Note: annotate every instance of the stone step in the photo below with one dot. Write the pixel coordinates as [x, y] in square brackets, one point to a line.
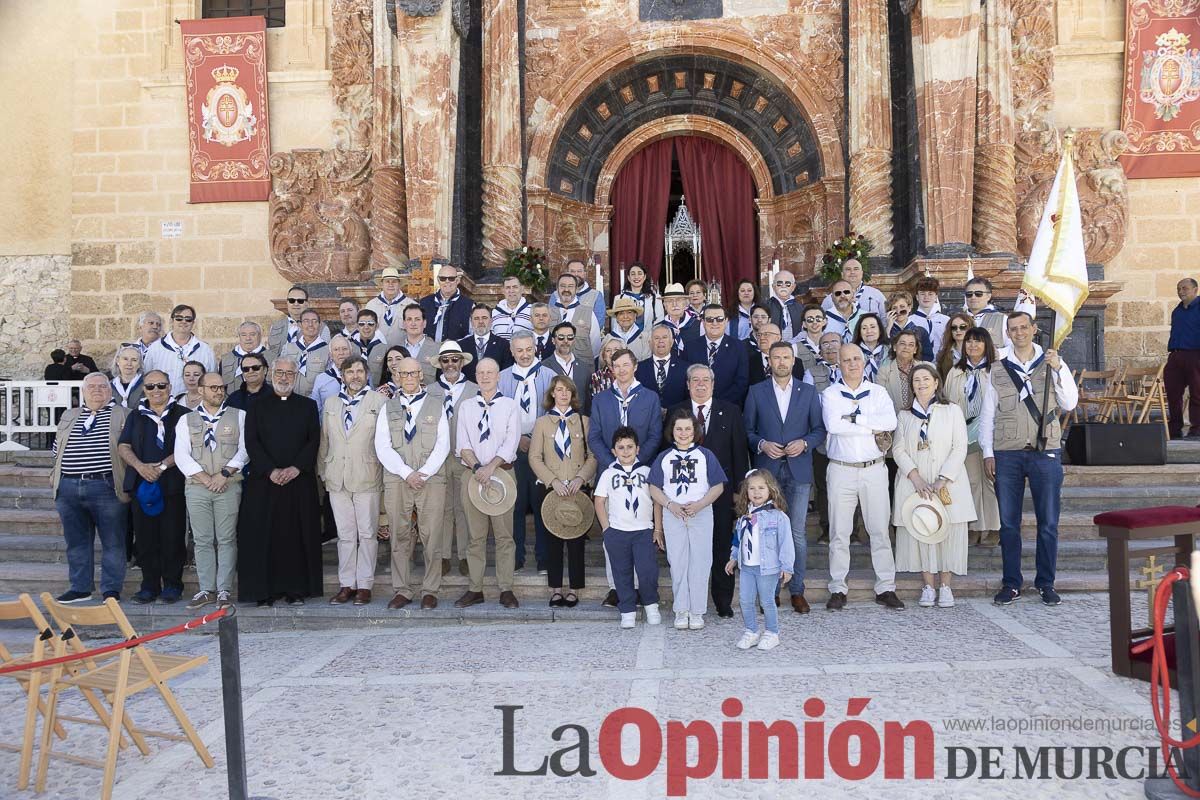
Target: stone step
[531, 587]
[26, 497]
[14, 475]
[1183, 451]
[1163, 475]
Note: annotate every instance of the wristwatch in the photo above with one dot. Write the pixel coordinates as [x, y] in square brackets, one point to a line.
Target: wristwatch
[160, 466]
[475, 467]
[226, 473]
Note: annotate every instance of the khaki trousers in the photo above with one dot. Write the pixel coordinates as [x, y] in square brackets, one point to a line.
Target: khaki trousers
[983, 492]
[850, 488]
[454, 516]
[502, 528]
[356, 515]
[399, 500]
[214, 530]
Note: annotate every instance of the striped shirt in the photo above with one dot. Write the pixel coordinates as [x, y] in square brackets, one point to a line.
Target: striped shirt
[87, 451]
[506, 322]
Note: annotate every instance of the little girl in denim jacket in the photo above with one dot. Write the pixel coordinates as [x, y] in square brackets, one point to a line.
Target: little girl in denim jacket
[763, 550]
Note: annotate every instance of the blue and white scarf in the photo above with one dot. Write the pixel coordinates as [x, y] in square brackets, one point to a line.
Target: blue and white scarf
[922, 415]
[210, 425]
[629, 481]
[873, 358]
[448, 398]
[88, 420]
[562, 436]
[683, 469]
[305, 350]
[184, 352]
[160, 420]
[443, 304]
[856, 397]
[525, 385]
[746, 523]
[624, 402]
[389, 318]
[348, 405]
[410, 414]
[485, 423]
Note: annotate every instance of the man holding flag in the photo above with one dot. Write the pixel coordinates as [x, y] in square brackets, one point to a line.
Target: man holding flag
[1020, 435]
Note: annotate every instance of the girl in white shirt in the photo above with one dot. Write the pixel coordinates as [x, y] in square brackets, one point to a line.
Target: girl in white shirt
[763, 549]
[685, 481]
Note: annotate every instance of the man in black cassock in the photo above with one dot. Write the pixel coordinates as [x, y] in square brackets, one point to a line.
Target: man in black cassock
[279, 527]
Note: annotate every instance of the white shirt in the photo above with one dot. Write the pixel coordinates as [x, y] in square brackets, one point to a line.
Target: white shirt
[183, 448]
[686, 475]
[393, 462]
[505, 425]
[783, 396]
[612, 485]
[934, 323]
[1065, 391]
[567, 366]
[854, 442]
[164, 355]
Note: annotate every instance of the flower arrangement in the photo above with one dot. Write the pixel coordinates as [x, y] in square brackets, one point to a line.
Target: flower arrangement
[528, 264]
[850, 246]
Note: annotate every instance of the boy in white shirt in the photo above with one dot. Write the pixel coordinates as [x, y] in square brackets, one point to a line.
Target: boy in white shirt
[626, 513]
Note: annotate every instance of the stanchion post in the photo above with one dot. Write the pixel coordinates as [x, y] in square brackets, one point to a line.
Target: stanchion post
[1187, 670]
[231, 698]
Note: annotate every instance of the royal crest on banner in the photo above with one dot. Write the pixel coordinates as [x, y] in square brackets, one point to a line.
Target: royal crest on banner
[225, 72]
[1160, 110]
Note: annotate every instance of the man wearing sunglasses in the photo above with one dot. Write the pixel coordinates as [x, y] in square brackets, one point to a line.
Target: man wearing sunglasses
[569, 308]
[979, 305]
[564, 362]
[724, 355]
[249, 343]
[287, 330]
[841, 313]
[369, 341]
[448, 310]
[178, 347]
[254, 382]
[786, 312]
[389, 304]
[867, 298]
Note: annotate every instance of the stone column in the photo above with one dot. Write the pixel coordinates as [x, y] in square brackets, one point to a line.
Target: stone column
[945, 35]
[501, 131]
[995, 223]
[870, 124]
[427, 63]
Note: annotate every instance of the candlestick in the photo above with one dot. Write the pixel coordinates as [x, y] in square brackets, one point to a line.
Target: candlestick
[621, 286]
[597, 283]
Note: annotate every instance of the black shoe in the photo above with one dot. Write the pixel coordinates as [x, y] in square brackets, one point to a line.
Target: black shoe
[890, 600]
[1006, 596]
[571, 600]
[610, 599]
[143, 597]
[725, 612]
[557, 601]
[114, 595]
[265, 603]
[1049, 596]
[836, 601]
[73, 597]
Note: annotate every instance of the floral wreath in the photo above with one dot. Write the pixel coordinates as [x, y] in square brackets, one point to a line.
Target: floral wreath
[838, 253]
[528, 265]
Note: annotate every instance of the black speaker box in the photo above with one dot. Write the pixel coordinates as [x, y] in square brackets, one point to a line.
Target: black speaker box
[1116, 444]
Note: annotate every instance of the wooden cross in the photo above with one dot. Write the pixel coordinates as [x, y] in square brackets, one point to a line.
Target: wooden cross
[1153, 572]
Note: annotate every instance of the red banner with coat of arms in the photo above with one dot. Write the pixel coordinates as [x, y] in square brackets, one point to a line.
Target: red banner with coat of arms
[1160, 111]
[229, 140]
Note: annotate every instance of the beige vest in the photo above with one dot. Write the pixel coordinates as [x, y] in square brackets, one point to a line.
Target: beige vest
[228, 439]
[416, 452]
[1015, 426]
[583, 318]
[346, 459]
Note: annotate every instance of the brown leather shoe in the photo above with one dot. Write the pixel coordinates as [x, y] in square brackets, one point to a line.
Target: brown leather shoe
[428, 601]
[508, 600]
[463, 568]
[344, 595]
[468, 599]
[445, 566]
[362, 597]
[799, 604]
[399, 601]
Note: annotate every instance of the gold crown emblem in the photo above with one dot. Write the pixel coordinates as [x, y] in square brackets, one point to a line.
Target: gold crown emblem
[1173, 40]
[225, 74]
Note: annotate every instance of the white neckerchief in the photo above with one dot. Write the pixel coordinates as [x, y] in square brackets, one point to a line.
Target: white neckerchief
[210, 424]
[182, 350]
[388, 305]
[125, 391]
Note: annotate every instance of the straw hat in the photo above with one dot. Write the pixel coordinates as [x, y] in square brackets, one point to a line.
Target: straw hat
[568, 517]
[926, 520]
[450, 347]
[625, 304]
[390, 272]
[496, 497]
[674, 290]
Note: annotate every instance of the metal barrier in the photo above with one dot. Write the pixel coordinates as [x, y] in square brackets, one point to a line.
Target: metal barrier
[30, 411]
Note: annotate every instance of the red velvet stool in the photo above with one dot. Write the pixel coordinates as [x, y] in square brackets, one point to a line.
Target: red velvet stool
[1121, 528]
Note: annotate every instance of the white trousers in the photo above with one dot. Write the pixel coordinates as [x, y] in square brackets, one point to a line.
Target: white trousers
[850, 488]
[690, 554]
[356, 515]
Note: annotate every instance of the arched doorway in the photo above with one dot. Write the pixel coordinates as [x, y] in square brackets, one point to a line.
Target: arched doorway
[719, 192]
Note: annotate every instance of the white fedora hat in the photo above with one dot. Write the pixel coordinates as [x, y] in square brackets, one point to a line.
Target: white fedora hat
[926, 520]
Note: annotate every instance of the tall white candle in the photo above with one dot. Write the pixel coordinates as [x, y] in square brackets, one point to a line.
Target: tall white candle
[621, 287]
[597, 283]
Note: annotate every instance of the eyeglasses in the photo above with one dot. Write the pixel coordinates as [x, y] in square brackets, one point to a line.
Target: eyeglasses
[297, 300]
[449, 360]
[785, 283]
[814, 319]
[184, 319]
[714, 319]
[252, 368]
[958, 327]
[842, 293]
[155, 387]
[220, 387]
[976, 293]
[285, 374]
[409, 373]
[565, 337]
[447, 278]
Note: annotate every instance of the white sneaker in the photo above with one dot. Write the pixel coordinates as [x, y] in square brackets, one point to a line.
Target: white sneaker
[748, 640]
[928, 597]
[945, 598]
[223, 599]
[695, 621]
[769, 641]
[628, 619]
[653, 617]
[681, 620]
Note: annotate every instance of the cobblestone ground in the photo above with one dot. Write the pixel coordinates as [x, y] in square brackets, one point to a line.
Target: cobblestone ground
[411, 711]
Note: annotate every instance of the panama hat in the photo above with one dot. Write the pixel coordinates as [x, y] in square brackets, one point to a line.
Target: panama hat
[568, 517]
[674, 290]
[450, 347]
[625, 304]
[390, 272]
[926, 520]
[497, 496]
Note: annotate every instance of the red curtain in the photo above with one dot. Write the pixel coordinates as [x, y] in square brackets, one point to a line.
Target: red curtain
[720, 196]
[640, 196]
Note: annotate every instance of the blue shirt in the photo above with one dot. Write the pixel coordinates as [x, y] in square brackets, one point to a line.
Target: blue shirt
[1185, 327]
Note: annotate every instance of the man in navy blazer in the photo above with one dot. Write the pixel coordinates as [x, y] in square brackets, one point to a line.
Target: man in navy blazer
[663, 371]
[724, 354]
[643, 413]
[784, 426]
[454, 321]
[494, 347]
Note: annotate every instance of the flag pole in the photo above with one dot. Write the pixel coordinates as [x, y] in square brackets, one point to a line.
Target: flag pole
[1068, 143]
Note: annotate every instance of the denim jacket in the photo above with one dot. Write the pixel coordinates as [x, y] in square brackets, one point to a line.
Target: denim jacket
[777, 553]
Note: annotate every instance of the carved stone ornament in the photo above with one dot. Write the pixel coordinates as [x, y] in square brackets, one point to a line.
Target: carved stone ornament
[460, 12]
[320, 201]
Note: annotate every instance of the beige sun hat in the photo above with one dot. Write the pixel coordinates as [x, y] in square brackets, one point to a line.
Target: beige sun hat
[568, 517]
[926, 520]
[497, 496]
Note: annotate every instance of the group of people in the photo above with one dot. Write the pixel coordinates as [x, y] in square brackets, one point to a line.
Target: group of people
[699, 430]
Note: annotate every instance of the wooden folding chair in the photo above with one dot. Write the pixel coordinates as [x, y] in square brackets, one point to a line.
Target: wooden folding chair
[1143, 392]
[31, 681]
[132, 671]
[1096, 389]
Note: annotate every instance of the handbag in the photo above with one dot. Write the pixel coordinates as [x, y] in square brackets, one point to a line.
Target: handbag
[944, 495]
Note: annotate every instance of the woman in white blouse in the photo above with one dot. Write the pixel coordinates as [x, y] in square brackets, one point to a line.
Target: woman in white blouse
[930, 448]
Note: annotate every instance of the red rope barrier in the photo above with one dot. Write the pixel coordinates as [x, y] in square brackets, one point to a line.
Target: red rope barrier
[112, 648]
[1160, 680]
